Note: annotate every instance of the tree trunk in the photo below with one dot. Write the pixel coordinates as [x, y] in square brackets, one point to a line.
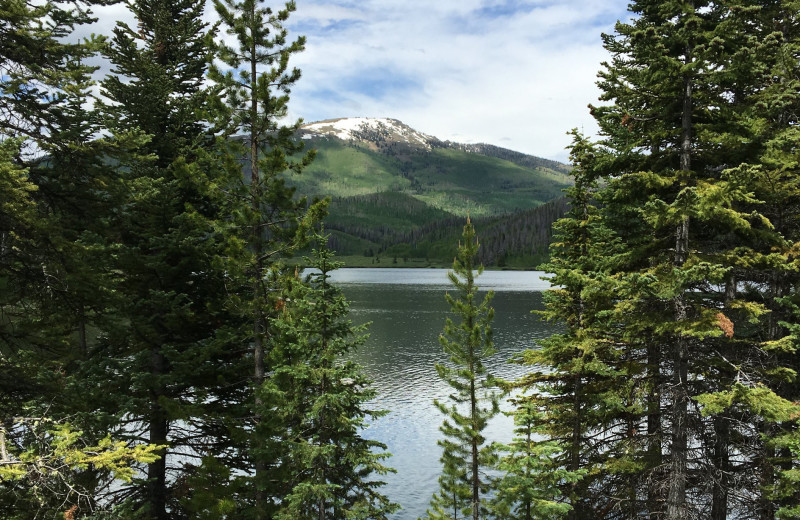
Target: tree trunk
[676, 499]
[529, 445]
[576, 445]
[259, 325]
[655, 495]
[719, 495]
[575, 450]
[157, 470]
[721, 460]
[476, 507]
[765, 506]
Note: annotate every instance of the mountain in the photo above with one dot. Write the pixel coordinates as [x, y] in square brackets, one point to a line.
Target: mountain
[401, 193]
[370, 131]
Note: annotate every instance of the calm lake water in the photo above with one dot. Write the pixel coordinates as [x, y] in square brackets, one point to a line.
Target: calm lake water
[407, 311]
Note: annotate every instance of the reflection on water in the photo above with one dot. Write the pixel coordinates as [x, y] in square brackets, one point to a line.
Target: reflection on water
[407, 311]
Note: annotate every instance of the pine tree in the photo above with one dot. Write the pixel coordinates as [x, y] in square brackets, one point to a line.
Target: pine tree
[763, 386]
[531, 485]
[43, 81]
[169, 346]
[688, 234]
[466, 457]
[273, 222]
[55, 190]
[581, 381]
[330, 467]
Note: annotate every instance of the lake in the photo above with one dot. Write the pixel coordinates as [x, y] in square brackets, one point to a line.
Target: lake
[407, 311]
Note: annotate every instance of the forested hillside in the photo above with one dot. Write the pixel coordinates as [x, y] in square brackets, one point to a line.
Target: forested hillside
[393, 225]
[400, 193]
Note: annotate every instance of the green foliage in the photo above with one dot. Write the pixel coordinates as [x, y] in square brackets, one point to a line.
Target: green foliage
[758, 399]
[177, 369]
[579, 378]
[395, 224]
[789, 479]
[271, 222]
[445, 179]
[530, 486]
[466, 457]
[412, 199]
[48, 462]
[215, 493]
[322, 403]
[57, 191]
[57, 452]
[669, 279]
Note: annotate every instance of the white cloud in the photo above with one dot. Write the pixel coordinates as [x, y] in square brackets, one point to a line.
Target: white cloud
[515, 73]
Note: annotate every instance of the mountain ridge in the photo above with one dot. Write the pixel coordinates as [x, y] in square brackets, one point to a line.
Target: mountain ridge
[372, 131]
[399, 192]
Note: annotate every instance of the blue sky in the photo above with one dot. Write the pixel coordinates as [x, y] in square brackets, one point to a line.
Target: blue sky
[517, 74]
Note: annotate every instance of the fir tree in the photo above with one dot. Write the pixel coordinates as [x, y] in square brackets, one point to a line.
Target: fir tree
[762, 386]
[531, 485]
[169, 346]
[323, 400]
[273, 223]
[688, 234]
[578, 376]
[466, 457]
[55, 191]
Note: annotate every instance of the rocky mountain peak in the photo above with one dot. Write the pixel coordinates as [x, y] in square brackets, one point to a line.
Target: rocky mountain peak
[374, 131]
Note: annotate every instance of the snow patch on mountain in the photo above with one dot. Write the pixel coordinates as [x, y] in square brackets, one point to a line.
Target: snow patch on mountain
[368, 129]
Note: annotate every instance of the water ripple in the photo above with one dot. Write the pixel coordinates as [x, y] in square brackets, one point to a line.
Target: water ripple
[401, 351]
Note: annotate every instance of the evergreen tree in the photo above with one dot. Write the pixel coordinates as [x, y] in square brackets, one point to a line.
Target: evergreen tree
[763, 386]
[273, 223]
[169, 348]
[531, 485]
[581, 380]
[56, 190]
[323, 399]
[669, 214]
[48, 464]
[680, 261]
[466, 457]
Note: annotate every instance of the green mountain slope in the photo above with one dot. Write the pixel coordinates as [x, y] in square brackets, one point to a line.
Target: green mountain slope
[399, 193]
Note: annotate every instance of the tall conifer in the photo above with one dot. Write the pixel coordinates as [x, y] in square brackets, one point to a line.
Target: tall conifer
[55, 188]
[691, 242]
[273, 223]
[167, 349]
[581, 380]
[330, 468]
[466, 457]
[531, 485]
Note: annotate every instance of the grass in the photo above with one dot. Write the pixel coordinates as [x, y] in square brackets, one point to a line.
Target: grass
[449, 180]
[344, 171]
[397, 211]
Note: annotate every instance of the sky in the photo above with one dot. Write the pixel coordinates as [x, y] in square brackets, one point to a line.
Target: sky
[512, 73]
